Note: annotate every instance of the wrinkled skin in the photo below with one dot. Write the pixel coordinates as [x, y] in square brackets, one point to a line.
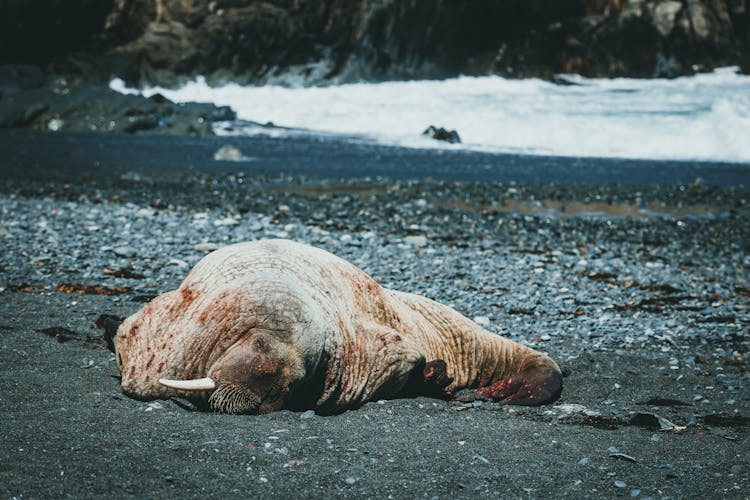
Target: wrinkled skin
[278, 324]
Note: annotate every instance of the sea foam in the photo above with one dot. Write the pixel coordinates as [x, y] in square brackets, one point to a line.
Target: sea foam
[702, 117]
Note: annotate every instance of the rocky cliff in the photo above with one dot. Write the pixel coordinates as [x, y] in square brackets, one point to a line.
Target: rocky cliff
[314, 41]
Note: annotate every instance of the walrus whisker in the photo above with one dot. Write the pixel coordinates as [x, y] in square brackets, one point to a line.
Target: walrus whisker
[232, 399]
[200, 384]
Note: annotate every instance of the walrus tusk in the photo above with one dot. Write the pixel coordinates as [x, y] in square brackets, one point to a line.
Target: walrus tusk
[198, 384]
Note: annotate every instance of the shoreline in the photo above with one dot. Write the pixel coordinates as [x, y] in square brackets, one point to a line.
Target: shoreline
[46, 155]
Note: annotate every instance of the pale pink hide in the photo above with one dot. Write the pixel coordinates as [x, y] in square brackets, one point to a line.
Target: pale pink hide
[278, 324]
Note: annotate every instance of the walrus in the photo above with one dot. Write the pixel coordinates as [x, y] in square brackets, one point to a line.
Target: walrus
[273, 324]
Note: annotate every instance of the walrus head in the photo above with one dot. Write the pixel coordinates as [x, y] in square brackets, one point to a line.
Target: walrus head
[209, 349]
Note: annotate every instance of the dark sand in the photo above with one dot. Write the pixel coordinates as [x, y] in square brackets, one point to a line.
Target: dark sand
[67, 430]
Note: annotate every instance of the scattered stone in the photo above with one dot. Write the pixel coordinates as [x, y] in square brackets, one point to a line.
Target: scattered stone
[206, 247]
[125, 251]
[481, 320]
[416, 241]
[623, 456]
[146, 212]
[227, 221]
[441, 134]
[654, 421]
[229, 153]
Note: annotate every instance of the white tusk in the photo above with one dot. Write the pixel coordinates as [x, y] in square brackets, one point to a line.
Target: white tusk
[199, 384]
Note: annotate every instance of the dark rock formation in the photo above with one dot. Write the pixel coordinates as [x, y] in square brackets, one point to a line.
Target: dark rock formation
[442, 134]
[29, 99]
[336, 40]
[38, 31]
[314, 41]
[81, 44]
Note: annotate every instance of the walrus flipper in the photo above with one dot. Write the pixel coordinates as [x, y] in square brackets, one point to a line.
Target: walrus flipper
[540, 386]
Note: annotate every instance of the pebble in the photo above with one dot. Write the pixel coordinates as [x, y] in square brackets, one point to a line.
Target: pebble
[146, 212]
[206, 247]
[227, 221]
[125, 251]
[621, 484]
[481, 320]
[228, 153]
[478, 264]
[307, 414]
[416, 241]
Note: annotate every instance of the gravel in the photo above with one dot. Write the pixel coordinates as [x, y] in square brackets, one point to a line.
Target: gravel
[642, 298]
[672, 287]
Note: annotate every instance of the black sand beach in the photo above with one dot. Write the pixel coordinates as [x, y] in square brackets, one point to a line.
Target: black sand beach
[632, 275]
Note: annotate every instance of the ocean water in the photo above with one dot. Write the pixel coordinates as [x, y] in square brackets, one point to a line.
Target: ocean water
[702, 117]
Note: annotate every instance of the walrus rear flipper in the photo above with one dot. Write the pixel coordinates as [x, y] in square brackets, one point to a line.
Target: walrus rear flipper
[529, 389]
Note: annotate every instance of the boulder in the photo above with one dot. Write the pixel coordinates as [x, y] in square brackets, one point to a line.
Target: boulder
[441, 134]
[329, 41]
[59, 104]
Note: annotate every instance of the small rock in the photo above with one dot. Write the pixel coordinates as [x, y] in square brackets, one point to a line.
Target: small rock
[206, 247]
[307, 414]
[482, 320]
[350, 480]
[146, 212]
[621, 484]
[583, 461]
[623, 456]
[229, 153]
[86, 363]
[124, 251]
[635, 493]
[416, 241]
[178, 263]
[227, 221]
[442, 134]
[55, 124]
